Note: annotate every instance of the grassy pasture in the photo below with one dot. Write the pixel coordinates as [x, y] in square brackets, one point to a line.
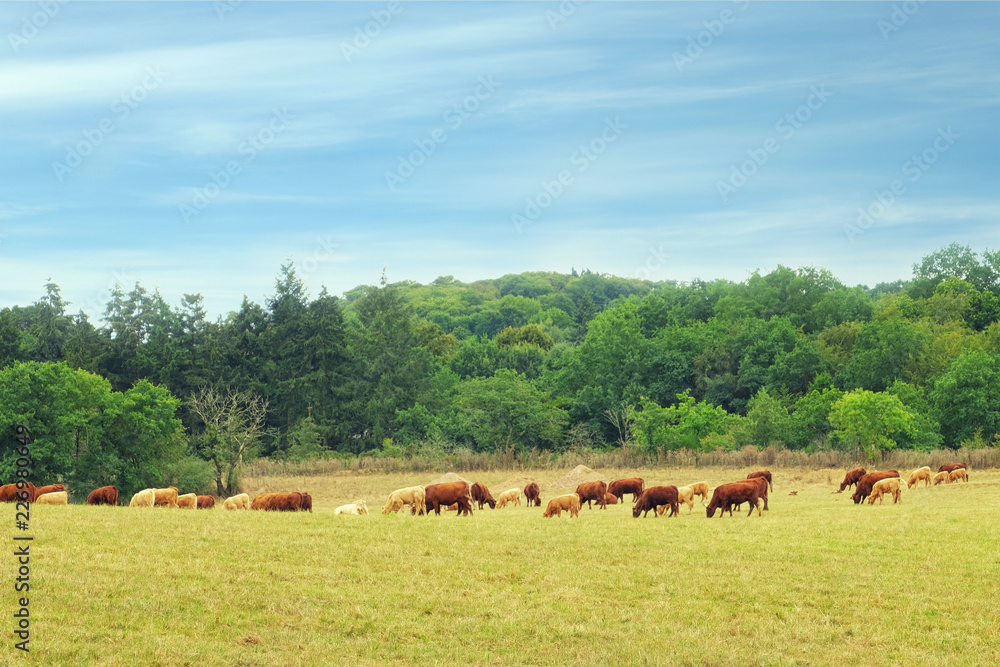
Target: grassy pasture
[816, 581]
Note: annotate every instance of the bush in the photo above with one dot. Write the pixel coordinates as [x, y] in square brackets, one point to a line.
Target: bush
[190, 475]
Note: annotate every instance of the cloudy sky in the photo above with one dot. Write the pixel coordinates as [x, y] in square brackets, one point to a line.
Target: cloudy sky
[195, 147]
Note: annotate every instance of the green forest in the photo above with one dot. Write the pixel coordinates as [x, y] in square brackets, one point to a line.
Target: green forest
[537, 361]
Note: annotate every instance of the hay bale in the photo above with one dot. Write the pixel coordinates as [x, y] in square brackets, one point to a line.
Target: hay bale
[575, 478]
[449, 477]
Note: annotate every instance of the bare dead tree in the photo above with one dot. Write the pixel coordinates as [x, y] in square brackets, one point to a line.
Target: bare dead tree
[621, 421]
[234, 423]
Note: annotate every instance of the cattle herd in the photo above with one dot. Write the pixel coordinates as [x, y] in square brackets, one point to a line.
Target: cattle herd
[460, 496]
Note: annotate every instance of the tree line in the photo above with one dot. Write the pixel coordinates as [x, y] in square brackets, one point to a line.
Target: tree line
[544, 361]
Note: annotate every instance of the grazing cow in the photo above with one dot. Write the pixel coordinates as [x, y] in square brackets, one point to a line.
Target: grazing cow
[852, 478]
[53, 498]
[611, 499]
[948, 467]
[766, 474]
[358, 507]
[206, 502]
[592, 491]
[48, 488]
[762, 483]
[655, 496]
[446, 494]
[533, 495]
[238, 502]
[166, 497]
[512, 496]
[569, 502]
[700, 489]
[865, 484]
[144, 498]
[106, 495]
[735, 493]
[957, 474]
[919, 474]
[9, 493]
[410, 495]
[941, 477]
[307, 503]
[278, 502]
[620, 487]
[685, 494]
[481, 495]
[188, 501]
[890, 485]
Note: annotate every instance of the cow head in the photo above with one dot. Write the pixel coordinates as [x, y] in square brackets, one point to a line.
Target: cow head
[710, 511]
[492, 503]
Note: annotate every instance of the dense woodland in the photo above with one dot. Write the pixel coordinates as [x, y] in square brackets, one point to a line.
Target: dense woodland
[791, 358]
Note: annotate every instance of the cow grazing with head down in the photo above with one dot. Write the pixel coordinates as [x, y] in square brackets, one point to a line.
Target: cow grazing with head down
[852, 478]
[948, 467]
[620, 487]
[106, 495]
[482, 495]
[166, 497]
[919, 474]
[533, 495]
[610, 499]
[512, 496]
[655, 496]
[238, 502]
[957, 474]
[865, 484]
[734, 493]
[144, 498]
[569, 502]
[890, 485]
[410, 495]
[595, 491]
[446, 494]
[766, 474]
[205, 502]
[10, 493]
[941, 477]
[52, 498]
[188, 501]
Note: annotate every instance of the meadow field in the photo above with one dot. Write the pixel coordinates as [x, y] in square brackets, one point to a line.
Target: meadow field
[816, 580]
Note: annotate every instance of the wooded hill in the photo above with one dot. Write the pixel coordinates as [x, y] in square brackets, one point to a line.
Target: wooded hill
[536, 360]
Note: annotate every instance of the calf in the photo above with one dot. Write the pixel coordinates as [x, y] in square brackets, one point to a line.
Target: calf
[533, 495]
[512, 496]
[610, 499]
[865, 484]
[917, 475]
[727, 495]
[620, 487]
[106, 495]
[592, 491]
[852, 478]
[957, 474]
[941, 477]
[570, 502]
[653, 497]
[481, 495]
[890, 485]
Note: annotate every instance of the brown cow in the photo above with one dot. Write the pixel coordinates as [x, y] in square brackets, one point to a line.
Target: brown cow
[948, 467]
[446, 494]
[206, 502]
[106, 495]
[762, 483]
[766, 474]
[620, 487]
[891, 486]
[569, 502]
[655, 496]
[941, 477]
[610, 499]
[188, 501]
[734, 493]
[48, 488]
[482, 495]
[307, 503]
[533, 495]
[851, 478]
[593, 491]
[957, 474]
[167, 496]
[10, 493]
[865, 484]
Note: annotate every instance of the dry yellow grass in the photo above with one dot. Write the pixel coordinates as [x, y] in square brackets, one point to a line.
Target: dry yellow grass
[817, 581]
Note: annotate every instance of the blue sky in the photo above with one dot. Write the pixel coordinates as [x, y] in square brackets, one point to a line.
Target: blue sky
[195, 147]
